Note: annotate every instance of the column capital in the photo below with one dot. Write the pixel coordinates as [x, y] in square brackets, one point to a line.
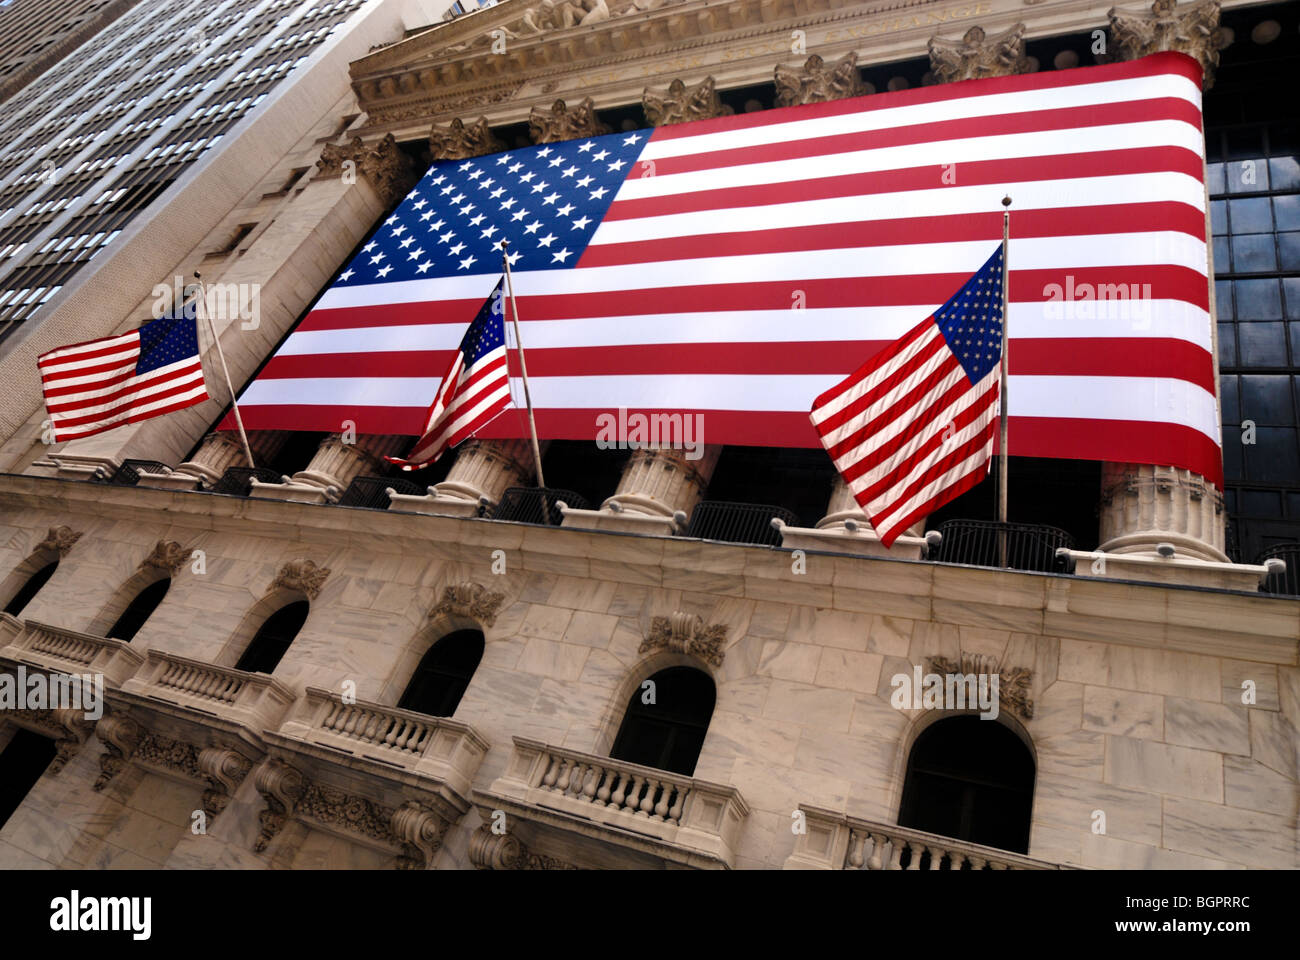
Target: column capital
[977, 55]
[383, 163]
[562, 123]
[815, 82]
[459, 141]
[1191, 28]
[682, 104]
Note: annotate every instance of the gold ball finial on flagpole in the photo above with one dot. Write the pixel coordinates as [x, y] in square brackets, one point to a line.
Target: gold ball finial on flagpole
[1006, 201]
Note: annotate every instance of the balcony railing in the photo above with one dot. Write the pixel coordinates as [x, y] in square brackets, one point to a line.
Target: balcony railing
[695, 815]
[525, 505]
[67, 651]
[833, 841]
[1015, 546]
[128, 474]
[372, 492]
[439, 747]
[738, 522]
[1286, 583]
[255, 700]
[238, 481]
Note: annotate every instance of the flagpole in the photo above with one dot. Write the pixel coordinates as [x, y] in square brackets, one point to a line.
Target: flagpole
[239, 421]
[1002, 395]
[523, 368]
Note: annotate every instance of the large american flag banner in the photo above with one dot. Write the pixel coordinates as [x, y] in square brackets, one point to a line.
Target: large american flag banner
[913, 427]
[101, 384]
[740, 267]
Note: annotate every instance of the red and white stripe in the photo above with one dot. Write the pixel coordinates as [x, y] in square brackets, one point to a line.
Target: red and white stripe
[907, 431]
[91, 387]
[469, 399]
[749, 263]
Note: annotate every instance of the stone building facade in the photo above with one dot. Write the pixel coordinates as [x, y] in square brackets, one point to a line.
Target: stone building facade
[1155, 695]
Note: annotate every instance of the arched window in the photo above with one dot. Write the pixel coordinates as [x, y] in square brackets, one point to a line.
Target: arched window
[29, 589]
[971, 779]
[668, 732]
[444, 674]
[139, 610]
[273, 638]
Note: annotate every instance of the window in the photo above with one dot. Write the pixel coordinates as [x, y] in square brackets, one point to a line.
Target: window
[972, 779]
[668, 732]
[29, 589]
[139, 610]
[444, 674]
[22, 761]
[273, 638]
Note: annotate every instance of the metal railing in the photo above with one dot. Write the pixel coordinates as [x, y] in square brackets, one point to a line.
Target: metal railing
[738, 522]
[128, 474]
[525, 505]
[1013, 546]
[238, 481]
[372, 492]
[1287, 583]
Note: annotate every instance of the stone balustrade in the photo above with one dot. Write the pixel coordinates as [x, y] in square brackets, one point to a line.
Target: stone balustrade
[67, 651]
[256, 701]
[438, 747]
[701, 817]
[833, 841]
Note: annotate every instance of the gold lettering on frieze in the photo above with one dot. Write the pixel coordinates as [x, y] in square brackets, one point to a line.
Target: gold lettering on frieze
[879, 27]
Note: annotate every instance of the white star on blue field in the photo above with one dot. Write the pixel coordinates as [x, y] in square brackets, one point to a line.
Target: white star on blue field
[546, 201]
[971, 321]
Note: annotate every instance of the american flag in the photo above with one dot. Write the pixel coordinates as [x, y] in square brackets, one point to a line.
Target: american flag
[475, 389]
[741, 266]
[912, 428]
[101, 384]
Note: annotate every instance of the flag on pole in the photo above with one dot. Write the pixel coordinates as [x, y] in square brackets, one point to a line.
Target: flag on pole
[912, 428]
[474, 391]
[101, 384]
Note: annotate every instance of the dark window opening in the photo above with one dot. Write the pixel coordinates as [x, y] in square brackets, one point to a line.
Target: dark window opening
[971, 779]
[22, 762]
[584, 468]
[443, 675]
[799, 480]
[273, 639]
[669, 733]
[29, 589]
[139, 610]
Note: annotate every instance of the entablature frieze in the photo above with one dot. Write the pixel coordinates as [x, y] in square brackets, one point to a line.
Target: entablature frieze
[482, 65]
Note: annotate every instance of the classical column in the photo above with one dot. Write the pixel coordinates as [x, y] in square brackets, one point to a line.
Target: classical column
[220, 450]
[336, 462]
[1153, 517]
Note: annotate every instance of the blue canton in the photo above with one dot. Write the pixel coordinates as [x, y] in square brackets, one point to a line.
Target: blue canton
[971, 321]
[546, 201]
[487, 332]
[165, 341]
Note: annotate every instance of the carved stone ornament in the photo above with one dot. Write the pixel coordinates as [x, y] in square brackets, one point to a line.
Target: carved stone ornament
[159, 751]
[688, 634]
[281, 786]
[120, 736]
[224, 769]
[68, 727]
[333, 807]
[384, 164]
[1192, 29]
[682, 104]
[471, 600]
[815, 82]
[550, 15]
[301, 575]
[420, 831]
[59, 539]
[503, 851]
[167, 555]
[976, 55]
[1014, 683]
[456, 141]
[561, 123]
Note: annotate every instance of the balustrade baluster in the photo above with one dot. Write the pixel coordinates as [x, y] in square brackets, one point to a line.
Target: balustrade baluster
[552, 773]
[589, 788]
[675, 814]
[620, 790]
[648, 801]
[877, 841]
[956, 859]
[895, 854]
[607, 779]
[856, 841]
[566, 770]
[916, 850]
[661, 808]
[936, 857]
